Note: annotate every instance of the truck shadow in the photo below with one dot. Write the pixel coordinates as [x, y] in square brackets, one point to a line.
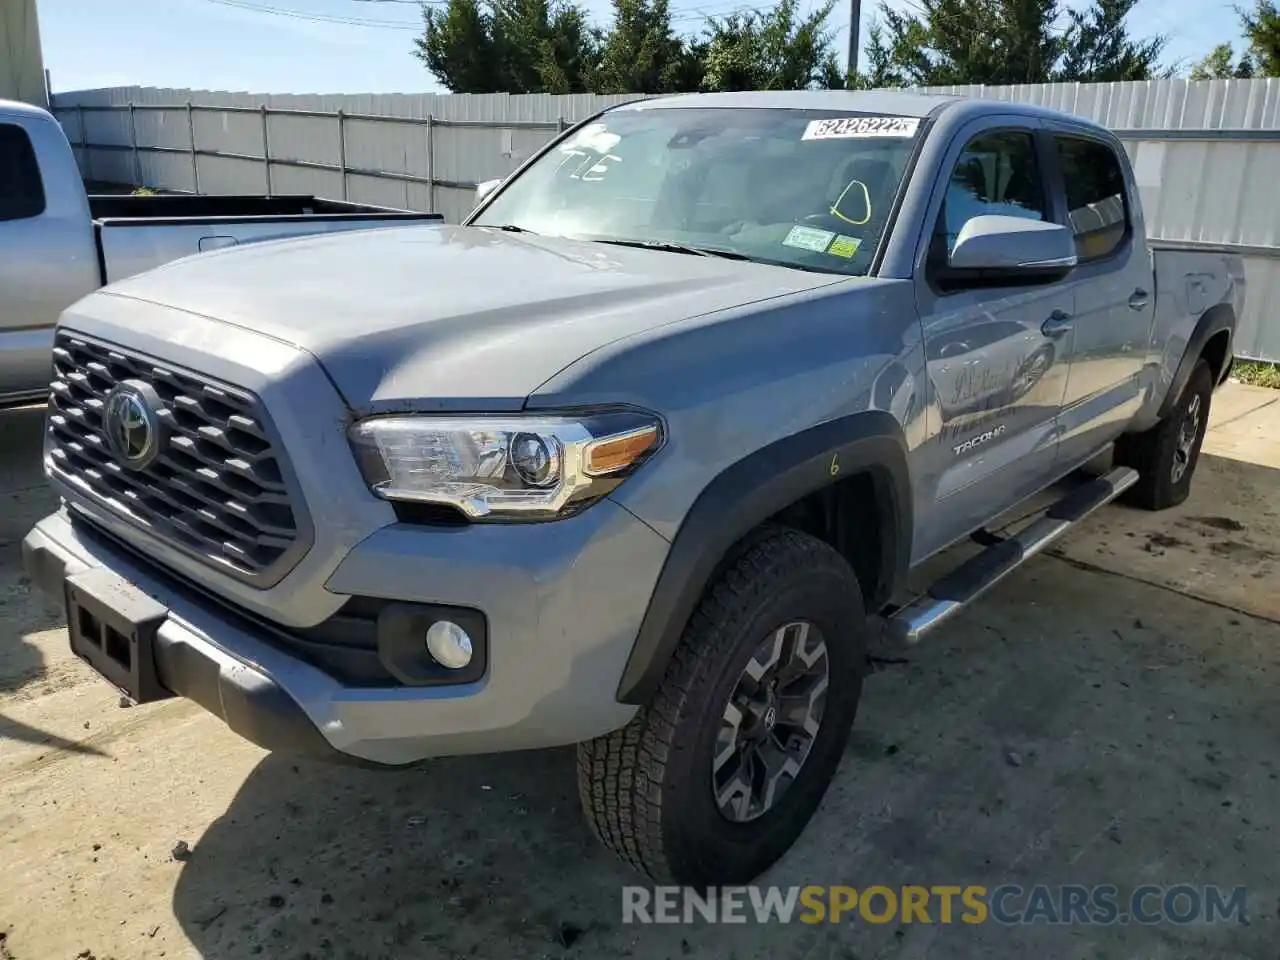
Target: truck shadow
[24, 498]
[320, 860]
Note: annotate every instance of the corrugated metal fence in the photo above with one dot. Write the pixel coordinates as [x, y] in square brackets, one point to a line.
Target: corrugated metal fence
[419, 151]
[1204, 154]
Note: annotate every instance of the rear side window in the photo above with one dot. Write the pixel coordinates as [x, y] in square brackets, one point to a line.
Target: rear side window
[1096, 199]
[21, 191]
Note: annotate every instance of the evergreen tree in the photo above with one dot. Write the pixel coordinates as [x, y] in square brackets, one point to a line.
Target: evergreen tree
[774, 50]
[1262, 27]
[944, 42]
[1100, 50]
[509, 46]
[1221, 64]
[641, 52]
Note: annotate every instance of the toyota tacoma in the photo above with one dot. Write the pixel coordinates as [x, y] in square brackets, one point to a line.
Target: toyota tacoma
[637, 457]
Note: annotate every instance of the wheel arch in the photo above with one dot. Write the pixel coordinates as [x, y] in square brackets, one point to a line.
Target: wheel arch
[1211, 338]
[757, 489]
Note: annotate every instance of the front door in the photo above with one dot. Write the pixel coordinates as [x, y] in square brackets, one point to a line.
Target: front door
[1114, 299]
[996, 356]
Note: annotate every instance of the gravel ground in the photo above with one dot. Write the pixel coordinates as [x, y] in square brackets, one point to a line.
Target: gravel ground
[1106, 715]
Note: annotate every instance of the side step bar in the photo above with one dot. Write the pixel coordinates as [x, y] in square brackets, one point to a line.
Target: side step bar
[979, 574]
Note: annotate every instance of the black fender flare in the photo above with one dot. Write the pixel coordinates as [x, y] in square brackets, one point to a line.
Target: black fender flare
[1211, 323]
[751, 491]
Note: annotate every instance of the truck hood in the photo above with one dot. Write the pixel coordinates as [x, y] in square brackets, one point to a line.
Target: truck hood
[447, 317]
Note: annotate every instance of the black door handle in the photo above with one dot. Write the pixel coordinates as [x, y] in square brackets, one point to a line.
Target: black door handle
[1139, 299]
[1058, 324]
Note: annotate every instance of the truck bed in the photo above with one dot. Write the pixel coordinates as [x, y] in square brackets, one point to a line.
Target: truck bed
[138, 233]
[204, 208]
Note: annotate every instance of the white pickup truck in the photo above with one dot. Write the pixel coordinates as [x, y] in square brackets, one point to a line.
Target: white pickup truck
[57, 244]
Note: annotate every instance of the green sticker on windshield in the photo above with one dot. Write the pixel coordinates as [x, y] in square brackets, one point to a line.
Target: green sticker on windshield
[844, 246]
[808, 238]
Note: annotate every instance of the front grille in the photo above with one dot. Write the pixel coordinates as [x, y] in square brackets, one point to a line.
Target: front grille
[217, 487]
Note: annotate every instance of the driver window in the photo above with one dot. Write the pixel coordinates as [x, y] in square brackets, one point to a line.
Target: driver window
[998, 173]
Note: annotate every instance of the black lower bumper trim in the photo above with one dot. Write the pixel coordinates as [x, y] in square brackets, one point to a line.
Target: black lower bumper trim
[250, 702]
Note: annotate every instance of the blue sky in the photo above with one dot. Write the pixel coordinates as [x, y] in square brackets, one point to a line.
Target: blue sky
[224, 45]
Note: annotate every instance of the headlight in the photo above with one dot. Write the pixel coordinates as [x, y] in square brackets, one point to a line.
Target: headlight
[503, 466]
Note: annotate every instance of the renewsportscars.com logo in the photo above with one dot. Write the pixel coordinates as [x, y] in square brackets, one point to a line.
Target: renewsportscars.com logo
[1008, 904]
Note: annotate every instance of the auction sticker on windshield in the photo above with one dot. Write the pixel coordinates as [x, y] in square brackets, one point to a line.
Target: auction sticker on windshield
[808, 238]
[843, 246]
[855, 128]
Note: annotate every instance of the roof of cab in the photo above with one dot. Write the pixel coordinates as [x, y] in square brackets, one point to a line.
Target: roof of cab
[13, 109]
[871, 101]
[900, 103]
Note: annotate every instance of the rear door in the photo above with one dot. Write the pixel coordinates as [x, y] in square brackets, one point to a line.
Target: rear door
[996, 355]
[1113, 289]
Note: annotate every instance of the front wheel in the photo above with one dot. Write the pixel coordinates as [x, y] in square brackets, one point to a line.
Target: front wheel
[717, 776]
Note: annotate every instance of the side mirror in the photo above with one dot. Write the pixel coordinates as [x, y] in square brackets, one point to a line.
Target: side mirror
[1013, 249]
[486, 187]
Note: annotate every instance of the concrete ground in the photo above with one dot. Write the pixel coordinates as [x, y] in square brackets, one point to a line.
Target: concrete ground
[1106, 715]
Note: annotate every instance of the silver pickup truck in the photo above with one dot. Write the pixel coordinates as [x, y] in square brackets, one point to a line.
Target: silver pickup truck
[637, 457]
[57, 244]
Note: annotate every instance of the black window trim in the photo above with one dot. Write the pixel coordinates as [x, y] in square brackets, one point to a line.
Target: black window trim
[895, 208]
[25, 138]
[1051, 135]
[1050, 183]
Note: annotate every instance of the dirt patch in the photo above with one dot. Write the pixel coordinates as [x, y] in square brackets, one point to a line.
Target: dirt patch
[1228, 524]
[1162, 541]
[1243, 551]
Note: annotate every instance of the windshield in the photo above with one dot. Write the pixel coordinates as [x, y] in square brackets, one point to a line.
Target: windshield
[809, 189]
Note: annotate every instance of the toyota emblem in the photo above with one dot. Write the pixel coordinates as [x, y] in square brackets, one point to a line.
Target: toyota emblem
[130, 424]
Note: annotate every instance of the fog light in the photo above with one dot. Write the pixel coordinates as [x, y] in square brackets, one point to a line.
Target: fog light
[449, 644]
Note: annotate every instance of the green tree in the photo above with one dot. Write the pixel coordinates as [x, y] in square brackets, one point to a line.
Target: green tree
[1261, 57]
[944, 42]
[969, 41]
[641, 52]
[881, 67]
[511, 46]
[896, 52]
[568, 53]
[772, 50]
[457, 47]
[1221, 64]
[1262, 28]
[1098, 48]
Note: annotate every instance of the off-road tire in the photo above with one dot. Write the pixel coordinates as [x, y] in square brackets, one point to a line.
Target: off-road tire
[646, 789]
[1153, 452]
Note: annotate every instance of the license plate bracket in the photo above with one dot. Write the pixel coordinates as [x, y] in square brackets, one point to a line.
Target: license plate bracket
[113, 627]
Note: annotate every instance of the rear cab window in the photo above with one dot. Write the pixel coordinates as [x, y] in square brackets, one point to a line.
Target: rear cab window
[1097, 202]
[21, 189]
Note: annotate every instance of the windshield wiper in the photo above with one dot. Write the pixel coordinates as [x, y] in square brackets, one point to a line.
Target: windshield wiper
[507, 227]
[715, 252]
[672, 247]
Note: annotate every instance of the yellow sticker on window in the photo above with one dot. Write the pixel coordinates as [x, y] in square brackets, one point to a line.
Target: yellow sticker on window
[843, 246]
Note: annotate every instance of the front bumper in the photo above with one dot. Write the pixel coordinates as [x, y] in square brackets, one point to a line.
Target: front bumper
[562, 619]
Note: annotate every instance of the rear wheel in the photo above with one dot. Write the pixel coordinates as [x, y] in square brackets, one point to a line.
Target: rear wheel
[715, 779]
[1166, 455]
